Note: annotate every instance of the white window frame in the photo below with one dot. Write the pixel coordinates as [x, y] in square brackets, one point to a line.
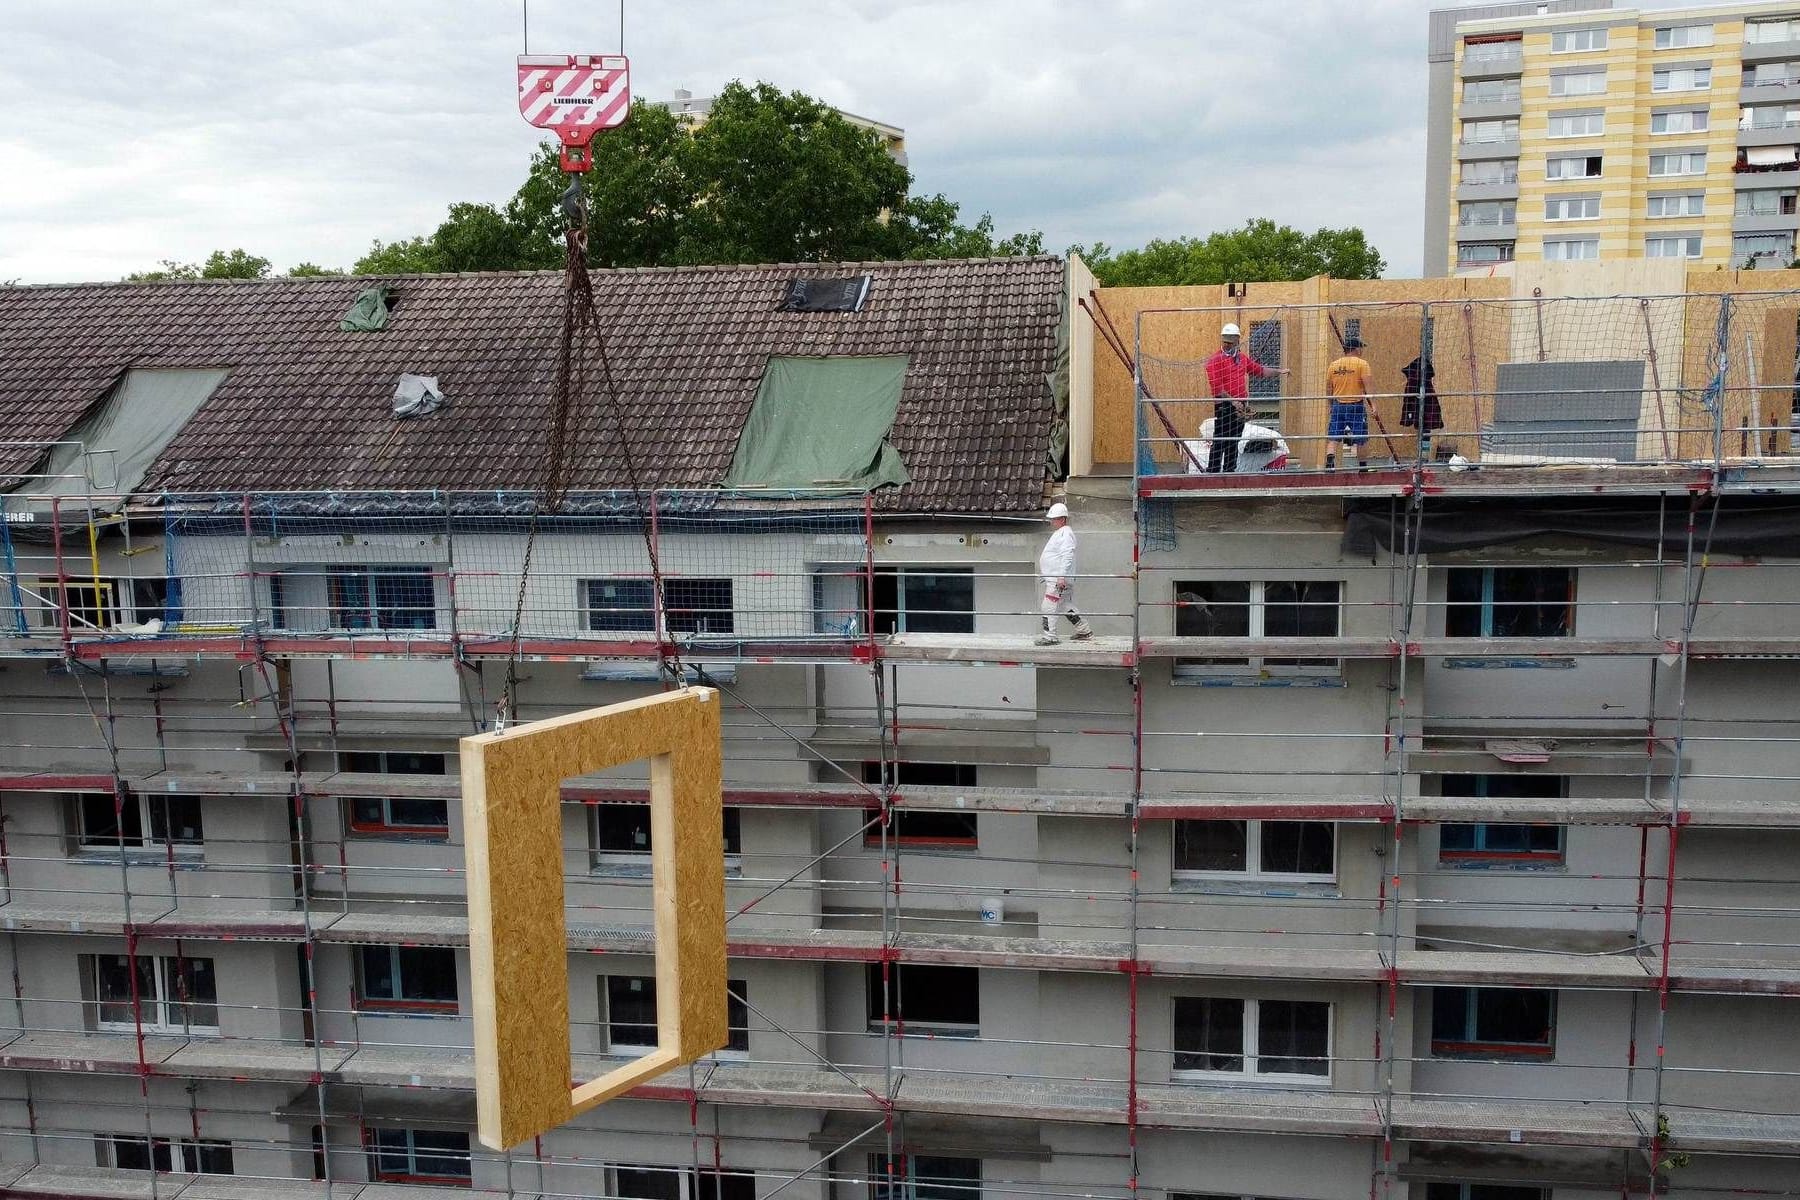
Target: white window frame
[1699, 120]
[166, 994]
[1556, 207]
[184, 1153]
[1686, 204]
[1594, 125]
[632, 1050]
[413, 1176]
[1257, 664]
[1689, 79]
[1788, 26]
[1558, 176]
[1687, 157]
[1559, 83]
[637, 862]
[1253, 872]
[1738, 254]
[1577, 41]
[116, 598]
[1477, 166]
[1562, 256]
[1690, 248]
[1464, 259]
[1681, 37]
[1510, 91]
[148, 847]
[1738, 209]
[1748, 116]
[1249, 1051]
[1508, 129]
[1506, 212]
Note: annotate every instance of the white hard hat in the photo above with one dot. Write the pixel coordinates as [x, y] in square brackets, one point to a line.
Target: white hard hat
[1230, 330]
[1059, 509]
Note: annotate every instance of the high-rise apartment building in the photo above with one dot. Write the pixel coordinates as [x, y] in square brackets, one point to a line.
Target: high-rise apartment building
[1576, 131]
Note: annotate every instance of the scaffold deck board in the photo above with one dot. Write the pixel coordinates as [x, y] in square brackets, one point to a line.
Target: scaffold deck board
[998, 651]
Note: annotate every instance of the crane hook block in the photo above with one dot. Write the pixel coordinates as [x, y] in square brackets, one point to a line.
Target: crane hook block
[575, 96]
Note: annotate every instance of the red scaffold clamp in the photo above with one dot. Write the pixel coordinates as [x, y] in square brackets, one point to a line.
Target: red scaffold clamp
[575, 96]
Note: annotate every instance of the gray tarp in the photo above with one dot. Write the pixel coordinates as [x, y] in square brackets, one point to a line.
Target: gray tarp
[123, 434]
[1745, 525]
[822, 422]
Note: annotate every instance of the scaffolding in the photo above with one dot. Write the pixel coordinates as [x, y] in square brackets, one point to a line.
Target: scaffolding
[276, 585]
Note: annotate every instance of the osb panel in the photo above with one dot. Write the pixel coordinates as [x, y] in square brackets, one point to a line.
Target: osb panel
[518, 953]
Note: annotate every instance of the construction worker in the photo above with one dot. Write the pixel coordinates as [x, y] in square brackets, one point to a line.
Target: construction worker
[1228, 375]
[1347, 382]
[1056, 572]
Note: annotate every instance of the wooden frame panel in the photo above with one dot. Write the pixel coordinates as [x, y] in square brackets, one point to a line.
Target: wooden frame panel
[518, 946]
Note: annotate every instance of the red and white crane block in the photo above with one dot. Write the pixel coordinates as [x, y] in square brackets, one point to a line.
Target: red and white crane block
[575, 96]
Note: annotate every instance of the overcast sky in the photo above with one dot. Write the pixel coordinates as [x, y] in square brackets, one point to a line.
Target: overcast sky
[301, 130]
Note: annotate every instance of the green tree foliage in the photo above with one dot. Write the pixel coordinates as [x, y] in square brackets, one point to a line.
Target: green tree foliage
[308, 270]
[220, 264]
[1261, 250]
[412, 256]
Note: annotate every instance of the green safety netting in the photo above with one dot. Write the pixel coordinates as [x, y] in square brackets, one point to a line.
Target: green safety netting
[822, 422]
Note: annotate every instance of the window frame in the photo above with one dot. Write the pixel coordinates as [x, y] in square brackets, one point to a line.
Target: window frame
[1692, 245]
[403, 1005]
[1669, 74]
[1257, 665]
[1786, 202]
[964, 775]
[1687, 158]
[691, 606]
[1506, 212]
[1584, 159]
[1684, 207]
[1249, 1045]
[1659, 42]
[1506, 168]
[737, 1020]
[1558, 202]
[1474, 1046]
[163, 998]
[1753, 31]
[603, 861]
[1484, 1191]
[1487, 603]
[893, 619]
[908, 1184]
[191, 1152]
[1587, 117]
[387, 827]
[145, 847]
[1584, 73]
[1464, 258]
[1595, 34]
[1507, 129]
[1510, 90]
[372, 1136]
[343, 581]
[1253, 871]
[112, 598]
[1699, 121]
[899, 1024]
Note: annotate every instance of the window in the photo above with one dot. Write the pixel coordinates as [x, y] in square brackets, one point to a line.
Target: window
[628, 1014]
[1686, 163]
[1769, 116]
[1585, 124]
[1495, 48]
[1265, 390]
[99, 603]
[1777, 249]
[396, 816]
[1510, 602]
[924, 1177]
[418, 1156]
[1466, 845]
[1764, 202]
[1261, 1039]
[1490, 170]
[1254, 609]
[1571, 208]
[925, 999]
[1578, 83]
[1762, 32]
[694, 606]
[191, 1156]
[1487, 212]
[1682, 37]
[1681, 79]
[382, 598]
[1580, 166]
[923, 827]
[419, 979]
[1483, 1191]
[175, 995]
[827, 295]
[1490, 91]
[909, 600]
[1672, 247]
[678, 1183]
[1570, 41]
[621, 836]
[1476, 133]
[1571, 249]
[1493, 1023]
[1476, 253]
[152, 825]
[1297, 851]
[1687, 120]
[1678, 204]
[1772, 74]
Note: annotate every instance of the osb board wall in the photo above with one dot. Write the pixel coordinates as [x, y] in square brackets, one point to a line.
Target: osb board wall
[1480, 322]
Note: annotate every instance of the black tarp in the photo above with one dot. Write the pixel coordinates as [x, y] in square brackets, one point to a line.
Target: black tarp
[1746, 525]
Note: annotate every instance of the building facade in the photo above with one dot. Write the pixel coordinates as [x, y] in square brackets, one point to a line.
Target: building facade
[1420, 832]
[1581, 131]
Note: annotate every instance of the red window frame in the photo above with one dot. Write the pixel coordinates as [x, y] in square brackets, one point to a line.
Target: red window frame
[377, 1175]
[363, 1002]
[387, 828]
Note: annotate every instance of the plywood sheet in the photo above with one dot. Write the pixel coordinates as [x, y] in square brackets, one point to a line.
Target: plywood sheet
[517, 942]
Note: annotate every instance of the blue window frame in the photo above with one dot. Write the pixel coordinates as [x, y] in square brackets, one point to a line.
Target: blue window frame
[1510, 602]
[1502, 843]
[419, 1156]
[1493, 1023]
[382, 598]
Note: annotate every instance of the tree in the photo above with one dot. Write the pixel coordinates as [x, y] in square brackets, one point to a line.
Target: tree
[1261, 250]
[234, 264]
[307, 270]
[412, 256]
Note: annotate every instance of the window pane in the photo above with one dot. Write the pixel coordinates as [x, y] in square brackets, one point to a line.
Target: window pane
[939, 1178]
[1513, 1016]
[631, 1010]
[737, 1015]
[926, 995]
[1456, 838]
[1297, 847]
[1209, 1034]
[1212, 846]
[441, 1153]
[393, 1151]
[1532, 601]
[418, 813]
[939, 603]
[100, 823]
[406, 762]
[378, 980]
[621, 605]
[349, 600]
[1301, 608]
[368, 812]
[213, 1158]
[405, 599]
[130, 1154]
[622, 828]
[919, 826]
[698, 605]
[195, 992]
[648, 1183]
[1212, 608]
[428, 973]
[175, 818]
[1293, 1037]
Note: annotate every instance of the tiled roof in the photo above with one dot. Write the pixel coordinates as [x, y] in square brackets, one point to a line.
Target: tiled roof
[308, 407]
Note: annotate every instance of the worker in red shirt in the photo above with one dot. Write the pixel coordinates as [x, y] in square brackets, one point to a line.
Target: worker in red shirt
[1228, 375]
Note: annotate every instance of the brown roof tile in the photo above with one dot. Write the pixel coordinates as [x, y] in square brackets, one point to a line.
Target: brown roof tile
[307, 407]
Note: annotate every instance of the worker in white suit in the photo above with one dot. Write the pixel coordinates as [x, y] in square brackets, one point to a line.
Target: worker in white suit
[1056, 574]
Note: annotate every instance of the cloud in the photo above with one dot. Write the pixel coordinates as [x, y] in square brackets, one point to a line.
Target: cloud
[304, 129]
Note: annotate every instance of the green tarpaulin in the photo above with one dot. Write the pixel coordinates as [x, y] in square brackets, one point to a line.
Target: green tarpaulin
[368, 314]
[822, 423]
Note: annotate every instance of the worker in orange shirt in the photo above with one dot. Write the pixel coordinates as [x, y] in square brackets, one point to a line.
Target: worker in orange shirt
[1347, 382]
